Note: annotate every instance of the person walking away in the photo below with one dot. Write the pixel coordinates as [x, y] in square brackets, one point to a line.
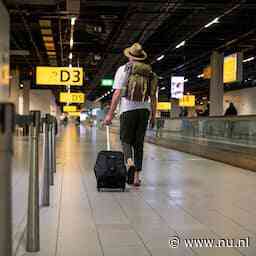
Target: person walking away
[135, 85]
[231, 110]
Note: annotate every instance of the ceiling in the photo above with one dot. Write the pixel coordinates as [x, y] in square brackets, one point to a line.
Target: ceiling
[104, 28]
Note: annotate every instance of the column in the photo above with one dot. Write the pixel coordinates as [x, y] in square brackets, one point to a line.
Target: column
[216, 85]
[4, 53]
[25, 95]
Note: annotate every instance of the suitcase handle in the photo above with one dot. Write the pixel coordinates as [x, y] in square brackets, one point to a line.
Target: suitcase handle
[108, 138]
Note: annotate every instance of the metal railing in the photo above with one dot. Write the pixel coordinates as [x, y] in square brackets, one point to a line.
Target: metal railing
[8, 120]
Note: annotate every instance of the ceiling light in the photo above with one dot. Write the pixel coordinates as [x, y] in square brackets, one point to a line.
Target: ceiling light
[215, 21]
[200, 76]
[45, 23]
[160, 57]
[71, 42]
[46, 32]
[70, 56]
[249, 59]
[48, 38]
[49, 46]
[51, 53]
[73, 21]
[186, 80]
[163, 88]
[21, 85]
[180, 44]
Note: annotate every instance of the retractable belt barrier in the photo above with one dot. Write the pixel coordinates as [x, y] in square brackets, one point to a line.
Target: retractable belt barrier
[8, 120]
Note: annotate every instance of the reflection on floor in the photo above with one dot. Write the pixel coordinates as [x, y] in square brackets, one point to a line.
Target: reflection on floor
[181, 195]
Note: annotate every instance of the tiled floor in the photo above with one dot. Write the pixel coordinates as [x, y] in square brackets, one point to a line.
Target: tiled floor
[181, 195]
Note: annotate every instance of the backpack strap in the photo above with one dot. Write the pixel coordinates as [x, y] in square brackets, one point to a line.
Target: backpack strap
[128, 71]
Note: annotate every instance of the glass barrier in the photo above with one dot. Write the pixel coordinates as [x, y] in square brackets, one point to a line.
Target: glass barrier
[238, 130]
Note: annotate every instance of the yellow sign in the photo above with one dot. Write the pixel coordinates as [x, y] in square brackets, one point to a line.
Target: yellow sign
[164, 106]
[69, 108]
[74, 114]
[66, 97]
[230, 68]
[207, 72]
[59, 76]
[187, 101]
[4, 74]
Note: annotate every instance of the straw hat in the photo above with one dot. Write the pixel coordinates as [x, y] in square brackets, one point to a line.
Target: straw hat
[135, 52]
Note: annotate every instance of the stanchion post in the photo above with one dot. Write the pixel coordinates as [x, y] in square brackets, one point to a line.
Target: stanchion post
[33, 238]
[46, 166]
[6, 151]
[51, 151]
[54, 145]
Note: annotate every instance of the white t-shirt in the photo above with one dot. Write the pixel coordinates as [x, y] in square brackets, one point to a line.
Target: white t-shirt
[121, 79]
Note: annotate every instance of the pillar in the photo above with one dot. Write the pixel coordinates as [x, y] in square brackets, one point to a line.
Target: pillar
[25, 94]
[216, 85]
[4, 53]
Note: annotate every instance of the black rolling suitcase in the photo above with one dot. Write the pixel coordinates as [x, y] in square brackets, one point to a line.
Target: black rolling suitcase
[110, 170]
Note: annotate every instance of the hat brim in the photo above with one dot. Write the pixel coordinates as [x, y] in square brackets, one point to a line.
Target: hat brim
[129, 55]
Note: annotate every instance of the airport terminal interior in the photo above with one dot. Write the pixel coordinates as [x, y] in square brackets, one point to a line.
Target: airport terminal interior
[61, 64]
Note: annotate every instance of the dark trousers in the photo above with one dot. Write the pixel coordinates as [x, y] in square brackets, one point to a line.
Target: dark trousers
[133, 126]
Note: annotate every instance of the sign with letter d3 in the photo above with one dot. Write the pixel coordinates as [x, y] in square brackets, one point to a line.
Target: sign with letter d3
[59, 76]
[66, 97]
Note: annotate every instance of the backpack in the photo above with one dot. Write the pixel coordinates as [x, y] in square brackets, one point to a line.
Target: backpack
[141, 82]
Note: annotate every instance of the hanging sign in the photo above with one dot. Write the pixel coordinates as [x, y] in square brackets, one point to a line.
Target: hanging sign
[59, 76]
[69, 108]
[66, 97]
[164, 106]
[177, 87]
[74, 114]
[187, 101]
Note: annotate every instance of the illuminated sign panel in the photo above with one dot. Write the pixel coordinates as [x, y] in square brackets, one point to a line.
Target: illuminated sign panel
[177, 87]
[230, 69]
[69, 109]
[207, 72]
[59, 76]
[187, 101]
[107, 82]
[66, 97]
[164, 106]
[74, 114]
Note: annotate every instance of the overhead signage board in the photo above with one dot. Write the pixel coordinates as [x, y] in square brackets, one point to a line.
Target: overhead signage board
[74, 114]
[66, 97]
[177, 87]
[164, 106]
[230, 69]
[207, 72]
[59, 76]
[69, 108]
[187, 101]
[107, 82]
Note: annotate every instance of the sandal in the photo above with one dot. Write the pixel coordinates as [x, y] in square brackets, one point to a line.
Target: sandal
[137, 184]
[130, 175]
